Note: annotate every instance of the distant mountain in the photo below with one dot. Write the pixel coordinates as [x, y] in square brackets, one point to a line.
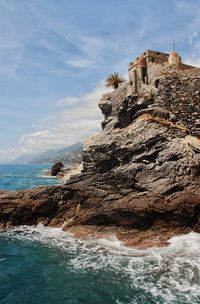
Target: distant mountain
[22, 159]
[68, 155]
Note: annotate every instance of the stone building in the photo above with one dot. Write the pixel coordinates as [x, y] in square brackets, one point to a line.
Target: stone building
[156, 81]
[149, 67]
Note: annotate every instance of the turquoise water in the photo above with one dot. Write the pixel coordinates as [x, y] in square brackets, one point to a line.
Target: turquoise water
[17, 177]
[40, 265]
[48, 266]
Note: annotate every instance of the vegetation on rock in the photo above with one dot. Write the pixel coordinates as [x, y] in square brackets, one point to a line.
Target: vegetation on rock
[114, 80]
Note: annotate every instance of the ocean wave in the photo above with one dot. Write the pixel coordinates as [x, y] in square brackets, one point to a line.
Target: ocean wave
[169, 274]
[47, 176]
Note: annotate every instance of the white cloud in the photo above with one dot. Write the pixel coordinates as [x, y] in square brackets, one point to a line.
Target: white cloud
[80, 62]
[70, 125]
[69, 101]
[192, 37]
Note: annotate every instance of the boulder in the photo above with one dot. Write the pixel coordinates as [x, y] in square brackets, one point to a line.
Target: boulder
[56, 168]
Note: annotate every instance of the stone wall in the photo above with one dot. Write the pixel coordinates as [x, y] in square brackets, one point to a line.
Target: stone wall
[181, 96]
[150, 66]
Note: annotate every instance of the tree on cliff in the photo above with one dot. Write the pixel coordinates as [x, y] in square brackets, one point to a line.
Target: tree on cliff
[114, 80]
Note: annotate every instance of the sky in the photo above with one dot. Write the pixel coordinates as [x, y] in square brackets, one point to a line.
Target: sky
[56, 54]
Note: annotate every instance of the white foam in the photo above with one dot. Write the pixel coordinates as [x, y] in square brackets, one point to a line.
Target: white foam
[47, 176]
[171, 273]
[46, 170]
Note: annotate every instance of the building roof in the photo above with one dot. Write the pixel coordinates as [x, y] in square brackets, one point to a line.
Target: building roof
[142, 61]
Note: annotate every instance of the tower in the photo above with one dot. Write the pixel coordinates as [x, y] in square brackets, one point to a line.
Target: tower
[174, 59]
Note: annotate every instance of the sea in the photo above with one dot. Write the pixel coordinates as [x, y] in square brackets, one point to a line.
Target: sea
[18, 177]
[42, 265]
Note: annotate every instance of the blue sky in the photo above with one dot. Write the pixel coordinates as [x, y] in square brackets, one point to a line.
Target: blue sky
[55, 55]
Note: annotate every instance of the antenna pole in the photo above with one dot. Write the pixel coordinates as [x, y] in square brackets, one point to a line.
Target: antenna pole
[174, 43]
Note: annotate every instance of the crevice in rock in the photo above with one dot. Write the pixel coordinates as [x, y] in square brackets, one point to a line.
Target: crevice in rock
[174, 189]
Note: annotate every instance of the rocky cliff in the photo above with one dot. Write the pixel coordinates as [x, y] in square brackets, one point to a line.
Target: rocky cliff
[140, 177]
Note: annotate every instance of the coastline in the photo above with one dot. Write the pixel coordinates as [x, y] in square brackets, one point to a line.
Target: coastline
[66, 173]
[157, 236]
[132, 238]
[72, 172]
[139, 178]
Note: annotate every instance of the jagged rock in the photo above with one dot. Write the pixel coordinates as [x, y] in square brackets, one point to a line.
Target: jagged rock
[56, 168]
[141, 172]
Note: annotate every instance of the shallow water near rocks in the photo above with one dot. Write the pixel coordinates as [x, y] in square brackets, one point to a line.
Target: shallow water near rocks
[50, 266]
[17, 177]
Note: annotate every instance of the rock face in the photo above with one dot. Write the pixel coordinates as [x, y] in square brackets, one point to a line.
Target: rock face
[141, 172]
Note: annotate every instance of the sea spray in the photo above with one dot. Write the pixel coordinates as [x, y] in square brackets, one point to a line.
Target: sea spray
[114, 273]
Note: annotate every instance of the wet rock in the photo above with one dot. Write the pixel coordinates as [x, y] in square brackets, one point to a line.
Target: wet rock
[57, 168]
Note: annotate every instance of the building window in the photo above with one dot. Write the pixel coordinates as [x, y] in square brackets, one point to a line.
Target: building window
[144, 74]
[152, 59]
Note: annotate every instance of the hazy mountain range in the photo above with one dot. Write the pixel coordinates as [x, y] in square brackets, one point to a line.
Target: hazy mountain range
[69, 155]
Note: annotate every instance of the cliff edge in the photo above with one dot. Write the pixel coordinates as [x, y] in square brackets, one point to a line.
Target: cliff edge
[140, 176]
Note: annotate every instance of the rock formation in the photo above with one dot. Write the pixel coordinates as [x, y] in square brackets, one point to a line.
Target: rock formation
[141, 174]
[56, 168]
